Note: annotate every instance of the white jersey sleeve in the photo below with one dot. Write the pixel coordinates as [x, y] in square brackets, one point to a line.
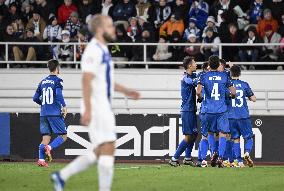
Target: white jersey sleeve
[91, 59]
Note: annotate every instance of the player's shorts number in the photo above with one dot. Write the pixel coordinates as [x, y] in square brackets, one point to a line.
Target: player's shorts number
[47, 96]
[239, 97]
[215, 91]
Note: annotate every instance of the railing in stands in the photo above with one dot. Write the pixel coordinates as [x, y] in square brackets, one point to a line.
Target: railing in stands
[144, 62]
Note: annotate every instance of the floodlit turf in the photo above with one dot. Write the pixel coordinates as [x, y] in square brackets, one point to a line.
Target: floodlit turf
[29, 177]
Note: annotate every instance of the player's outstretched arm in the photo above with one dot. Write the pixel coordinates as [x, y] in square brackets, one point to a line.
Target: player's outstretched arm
[128, 92]
[87, 89]
[252, 98]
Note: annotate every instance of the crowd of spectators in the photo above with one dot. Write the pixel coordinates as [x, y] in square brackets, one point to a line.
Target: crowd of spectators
[175, 21]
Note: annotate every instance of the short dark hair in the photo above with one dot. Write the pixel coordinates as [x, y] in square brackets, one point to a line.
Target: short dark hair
[235, 71]
[52, 65]
[205, 66]
[187, 61]
[214, 62]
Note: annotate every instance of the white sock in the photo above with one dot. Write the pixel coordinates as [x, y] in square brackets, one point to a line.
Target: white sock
[81, 163]
[105, 171]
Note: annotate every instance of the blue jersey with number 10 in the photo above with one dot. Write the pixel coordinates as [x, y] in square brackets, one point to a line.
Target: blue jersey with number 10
[215, 85]
[238, 108]
[49, 96]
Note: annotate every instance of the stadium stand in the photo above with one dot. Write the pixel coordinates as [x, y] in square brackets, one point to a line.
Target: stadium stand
[140, 21]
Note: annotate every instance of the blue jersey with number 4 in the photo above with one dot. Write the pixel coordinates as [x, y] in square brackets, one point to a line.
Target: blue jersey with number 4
[215, 85]
[49, 96]
[238, 108]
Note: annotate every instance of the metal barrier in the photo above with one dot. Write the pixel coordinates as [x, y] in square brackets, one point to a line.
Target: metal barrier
[145, 45]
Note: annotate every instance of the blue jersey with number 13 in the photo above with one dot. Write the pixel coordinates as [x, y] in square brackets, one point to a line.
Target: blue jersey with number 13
[49, 96]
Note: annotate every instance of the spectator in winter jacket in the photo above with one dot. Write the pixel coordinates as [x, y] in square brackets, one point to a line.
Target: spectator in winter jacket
[124, 10]
[27, 52]
[255, 12]
[162, 51]
[52, 32]
[177, 51]
[27, 12]
[87, 7]
[200, 11]
[174, 24]
[45, 8]
[65, 10]
[191, 50]
[250, 53]
[159, 14]
[65, 52]
[181, 8]
[191, 29]
[267, 20]
[8, 36]
[144, 25]
[38, 24]
[210, 38]
[271, 52]
[142, 8]
[107, 8]
[14, 13]
[73, 25]
[133, 31]
[210, 23]
[18, 28]
[224, 6]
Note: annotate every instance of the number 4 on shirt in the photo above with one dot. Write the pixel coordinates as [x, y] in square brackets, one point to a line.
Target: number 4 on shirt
[215, 92]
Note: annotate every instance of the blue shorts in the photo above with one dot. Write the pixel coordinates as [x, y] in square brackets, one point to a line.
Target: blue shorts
[216, 123]
[49, 125]
[189, 122]
[241, 127]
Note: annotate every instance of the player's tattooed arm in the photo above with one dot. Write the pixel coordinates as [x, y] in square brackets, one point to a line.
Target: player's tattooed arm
[127, 92]
[87, 89]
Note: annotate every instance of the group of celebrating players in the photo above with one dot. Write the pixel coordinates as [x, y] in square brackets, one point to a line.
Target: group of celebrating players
[224, 114]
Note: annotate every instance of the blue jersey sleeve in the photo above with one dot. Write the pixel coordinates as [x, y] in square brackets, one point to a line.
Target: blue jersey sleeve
[248, 91]
[59, 95]
[37, 95]
[229, 82]
[188, 80]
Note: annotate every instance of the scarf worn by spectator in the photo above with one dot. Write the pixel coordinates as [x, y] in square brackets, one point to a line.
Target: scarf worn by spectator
[73, 27]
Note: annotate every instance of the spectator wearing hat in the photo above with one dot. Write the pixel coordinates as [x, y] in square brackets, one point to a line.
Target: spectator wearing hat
[64, 11]
[52, 32]
[162, 51]
[28, 52]
[124, 10]
[142, 8]
[271, 52]
[87, 7]
[174, 24]
[73, 25]
[267, 20]
[45, 8]
[159, 14]
[192, 50]
[230, 53]
[199, 10]
[210, 38]
[37, 24]
[191, 29]
[210, 23]
[107, 8]
[250, 53]
[133, 31]
[66, 51]
[255, 11]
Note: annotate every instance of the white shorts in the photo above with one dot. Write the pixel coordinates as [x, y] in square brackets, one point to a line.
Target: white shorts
[102, 128]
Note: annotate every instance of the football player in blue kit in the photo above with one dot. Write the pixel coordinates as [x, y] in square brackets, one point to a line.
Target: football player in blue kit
[239, 118]
[215, 85]
[188, 112]
[53, 111]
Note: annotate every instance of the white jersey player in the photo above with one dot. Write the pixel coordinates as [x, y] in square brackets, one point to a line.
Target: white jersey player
[97, 115]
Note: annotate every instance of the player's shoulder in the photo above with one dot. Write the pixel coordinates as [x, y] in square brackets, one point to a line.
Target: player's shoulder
[246, 84]
[93, 48]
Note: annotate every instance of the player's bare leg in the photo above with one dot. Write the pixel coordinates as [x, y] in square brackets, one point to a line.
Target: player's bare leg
[45, 141]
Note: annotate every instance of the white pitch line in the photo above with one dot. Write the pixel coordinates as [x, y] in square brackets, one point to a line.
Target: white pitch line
[136, 167]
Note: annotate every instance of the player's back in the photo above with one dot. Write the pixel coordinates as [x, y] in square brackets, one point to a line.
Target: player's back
[215, 85]
[238, 108]
[50, 106]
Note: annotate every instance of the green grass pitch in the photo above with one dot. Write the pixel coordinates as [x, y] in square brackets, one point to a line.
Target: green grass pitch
[132, 177]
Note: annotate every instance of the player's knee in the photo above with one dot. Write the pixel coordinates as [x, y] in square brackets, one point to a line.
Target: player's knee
[187, 138]
[237, 140]
[106, 161]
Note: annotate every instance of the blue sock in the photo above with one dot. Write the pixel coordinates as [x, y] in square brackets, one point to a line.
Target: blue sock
[199, 152]
[237, 152]
[217, 146]
[41, 152]
[204, 148]
[56, 142]
[248, 145]
[229, 150]
[181, 148]
[212, 143]
[222, 146]
[188, 149]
